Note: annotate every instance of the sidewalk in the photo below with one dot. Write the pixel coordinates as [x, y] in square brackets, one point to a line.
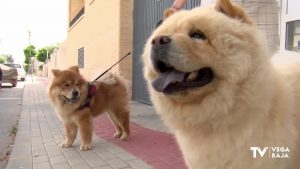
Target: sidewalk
[40, 133]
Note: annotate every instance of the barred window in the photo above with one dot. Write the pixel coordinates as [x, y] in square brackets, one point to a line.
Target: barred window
[293, 35]
[81, 57]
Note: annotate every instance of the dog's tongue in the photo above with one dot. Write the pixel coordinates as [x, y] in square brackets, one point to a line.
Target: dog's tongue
[164, 82]
[174, 81]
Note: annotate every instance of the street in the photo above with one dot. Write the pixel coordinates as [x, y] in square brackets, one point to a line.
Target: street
[10, 107]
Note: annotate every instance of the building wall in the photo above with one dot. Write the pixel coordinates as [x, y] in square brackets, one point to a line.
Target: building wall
[289, 12]
[74, 7]
[126, 37]
[58, 59]
[265, 13]
[105, 32]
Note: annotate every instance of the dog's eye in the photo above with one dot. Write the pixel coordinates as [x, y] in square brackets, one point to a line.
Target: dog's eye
[198, 35]
[158, 24]
[77, 84]
[67, 85]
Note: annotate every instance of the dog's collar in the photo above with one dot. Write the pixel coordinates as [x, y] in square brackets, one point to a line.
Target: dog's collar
[91, 92]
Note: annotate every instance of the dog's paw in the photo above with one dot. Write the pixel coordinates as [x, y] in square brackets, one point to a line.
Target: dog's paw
[125, 137]
[85, 147]
[65, 144]
[117, 134]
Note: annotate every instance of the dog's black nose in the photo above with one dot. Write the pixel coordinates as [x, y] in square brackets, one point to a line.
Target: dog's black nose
[75, 93]
[160, 41]
[159, 51]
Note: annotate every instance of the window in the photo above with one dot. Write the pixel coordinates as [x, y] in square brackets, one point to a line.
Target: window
[76, 10]
[81, 57]
[293, 36]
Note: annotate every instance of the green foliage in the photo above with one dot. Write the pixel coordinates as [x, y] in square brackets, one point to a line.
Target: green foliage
[26, 67]
[2, 60]
[29, 52]
[9, 58]
[42, 55]
[6, 58]
[13, 130]
[40, 67]
[51, 49]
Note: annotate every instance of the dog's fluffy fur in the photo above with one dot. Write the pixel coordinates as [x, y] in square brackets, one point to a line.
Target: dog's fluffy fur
[111, 96]
[250, 102]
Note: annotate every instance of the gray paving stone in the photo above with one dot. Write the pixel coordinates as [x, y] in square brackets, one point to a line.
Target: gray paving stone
[22, 150]
[44, 165]
[76, 160]
[61, 166]
[106, 155]
[99, 147]
[93, 159]
[104, 167]
[117, 163]
[114, 149]
[126, 156]
[19, 163]
[37, 143]
[40, 158]
[96, 162]
[36, 140]
[145, 116]
[58, 159]
[137, 164]
[88, 154]
[35, 133]
[70, 153]
[39, 151]
[53, 143]
[53, 150]
[82, 166]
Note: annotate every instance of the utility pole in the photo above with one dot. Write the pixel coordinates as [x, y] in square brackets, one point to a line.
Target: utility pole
[31, 60]
[29, 36]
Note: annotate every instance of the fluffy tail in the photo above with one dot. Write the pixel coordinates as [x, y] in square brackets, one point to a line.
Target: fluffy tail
[113, 79]
[109, 78]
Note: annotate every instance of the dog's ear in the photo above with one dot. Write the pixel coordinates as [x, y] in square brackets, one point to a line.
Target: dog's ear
[233, 11]
[55, 72]
[168, 12]
[74, 68]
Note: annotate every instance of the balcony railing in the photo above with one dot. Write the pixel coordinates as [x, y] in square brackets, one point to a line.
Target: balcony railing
[78, 15]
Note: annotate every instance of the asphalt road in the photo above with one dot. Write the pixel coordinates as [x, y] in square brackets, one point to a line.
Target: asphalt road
[10, 107]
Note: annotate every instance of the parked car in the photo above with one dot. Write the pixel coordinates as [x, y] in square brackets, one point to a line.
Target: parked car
[9, 75]
[0, 77]
[20, 69]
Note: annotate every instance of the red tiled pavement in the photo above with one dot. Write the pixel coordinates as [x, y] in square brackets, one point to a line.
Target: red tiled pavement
[156, 148]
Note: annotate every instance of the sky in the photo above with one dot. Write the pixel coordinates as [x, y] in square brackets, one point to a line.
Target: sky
[45, 19]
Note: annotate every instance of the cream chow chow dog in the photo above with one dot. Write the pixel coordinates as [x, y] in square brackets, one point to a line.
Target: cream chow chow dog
[214, 84]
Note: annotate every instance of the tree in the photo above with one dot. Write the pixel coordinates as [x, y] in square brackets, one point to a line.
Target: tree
[2, 60]
[26, 67]
[42, 55]
[29, 52]
[6, 58]
[10, 58]
[51, 49]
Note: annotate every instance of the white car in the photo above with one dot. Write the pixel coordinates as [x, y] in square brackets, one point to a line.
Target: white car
[20, 69]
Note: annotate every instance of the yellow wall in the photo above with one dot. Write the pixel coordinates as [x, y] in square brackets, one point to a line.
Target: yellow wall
[58, 59]
[74, 7]
[105, 32]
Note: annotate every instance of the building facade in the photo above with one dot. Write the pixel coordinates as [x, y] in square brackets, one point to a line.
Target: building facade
[102, 32]
[99, 34]
[290, 25]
